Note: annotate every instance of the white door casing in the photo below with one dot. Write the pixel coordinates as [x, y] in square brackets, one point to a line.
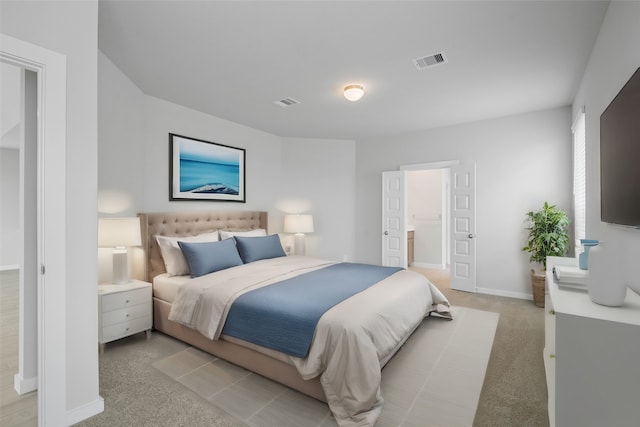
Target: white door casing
[27, 377]
[394, 208]
[51, 69]
[463, 227]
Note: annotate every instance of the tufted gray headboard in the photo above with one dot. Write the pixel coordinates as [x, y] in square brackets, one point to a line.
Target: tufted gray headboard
[190, 224]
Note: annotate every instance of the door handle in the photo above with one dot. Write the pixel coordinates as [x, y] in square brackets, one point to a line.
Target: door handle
[386, 233]
[471, 236]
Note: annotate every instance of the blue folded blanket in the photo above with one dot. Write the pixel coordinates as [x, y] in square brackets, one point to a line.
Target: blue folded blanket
[283, 316]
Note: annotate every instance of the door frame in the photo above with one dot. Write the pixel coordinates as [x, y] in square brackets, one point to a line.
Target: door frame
[446, 164]
[51, 70]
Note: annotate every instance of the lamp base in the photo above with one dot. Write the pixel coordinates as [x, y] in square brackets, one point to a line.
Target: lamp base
[120, 268]
[299, 248]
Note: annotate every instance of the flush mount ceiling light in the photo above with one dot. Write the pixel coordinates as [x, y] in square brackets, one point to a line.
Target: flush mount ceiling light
[353, 92]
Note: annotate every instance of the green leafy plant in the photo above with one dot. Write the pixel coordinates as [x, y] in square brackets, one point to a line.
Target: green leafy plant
[548, 233]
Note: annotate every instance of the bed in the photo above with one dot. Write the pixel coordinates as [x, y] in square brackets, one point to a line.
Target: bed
[340, 368]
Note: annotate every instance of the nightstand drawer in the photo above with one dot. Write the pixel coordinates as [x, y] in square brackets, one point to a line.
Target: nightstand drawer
[120, 300]
[120, 330]
[126, 314]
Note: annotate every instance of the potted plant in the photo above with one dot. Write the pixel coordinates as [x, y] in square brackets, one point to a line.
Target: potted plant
[548, 236]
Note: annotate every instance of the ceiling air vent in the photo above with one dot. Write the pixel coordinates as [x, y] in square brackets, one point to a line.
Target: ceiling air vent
[287, 102]
[429, 61]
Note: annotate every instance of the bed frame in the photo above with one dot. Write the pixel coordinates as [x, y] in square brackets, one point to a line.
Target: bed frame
[190, 224]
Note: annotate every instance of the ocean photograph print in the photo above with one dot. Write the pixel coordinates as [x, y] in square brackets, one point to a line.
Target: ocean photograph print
[203, 170]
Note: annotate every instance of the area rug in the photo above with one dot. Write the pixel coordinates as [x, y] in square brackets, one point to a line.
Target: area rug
[434, 380]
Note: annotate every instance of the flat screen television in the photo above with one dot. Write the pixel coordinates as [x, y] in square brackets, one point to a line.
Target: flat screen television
[620, 156]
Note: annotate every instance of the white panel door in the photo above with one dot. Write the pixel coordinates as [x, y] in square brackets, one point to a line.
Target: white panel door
[463, 227]
[394, 235]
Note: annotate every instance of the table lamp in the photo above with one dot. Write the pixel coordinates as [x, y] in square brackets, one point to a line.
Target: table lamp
[298, 224]
[119, 233]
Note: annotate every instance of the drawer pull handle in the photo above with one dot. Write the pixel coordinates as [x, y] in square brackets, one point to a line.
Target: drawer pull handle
[127, 315]
[127, 301]
[552, 312]
[127, 329]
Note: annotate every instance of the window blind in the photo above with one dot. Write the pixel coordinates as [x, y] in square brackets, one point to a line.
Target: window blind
[579, 179]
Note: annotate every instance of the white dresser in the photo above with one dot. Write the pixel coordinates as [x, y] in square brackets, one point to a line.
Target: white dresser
[591, 357]
[124, 310]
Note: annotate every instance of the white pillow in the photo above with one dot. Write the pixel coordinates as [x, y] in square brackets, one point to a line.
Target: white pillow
[174, 261]
[258, 232]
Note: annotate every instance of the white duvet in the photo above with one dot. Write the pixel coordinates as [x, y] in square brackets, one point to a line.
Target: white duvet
[351, 340]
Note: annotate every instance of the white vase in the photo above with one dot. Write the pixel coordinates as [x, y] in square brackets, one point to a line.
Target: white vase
[605, 281]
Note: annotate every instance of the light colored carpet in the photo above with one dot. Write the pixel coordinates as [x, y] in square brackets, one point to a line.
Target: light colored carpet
[136, 394]
[434, 380]
[15, 409]
[515, 389]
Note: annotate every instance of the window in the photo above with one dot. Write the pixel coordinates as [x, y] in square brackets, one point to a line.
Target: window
[579, 178]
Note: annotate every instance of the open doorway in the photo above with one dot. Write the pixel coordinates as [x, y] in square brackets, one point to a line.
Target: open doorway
[18, 253]
[455, 227]
[40, 304]
[397, 237]
[428, 216]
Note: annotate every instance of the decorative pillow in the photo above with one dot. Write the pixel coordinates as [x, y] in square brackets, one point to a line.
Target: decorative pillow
[207, 257]
[257, 248]
[174, 261]
[225, 234]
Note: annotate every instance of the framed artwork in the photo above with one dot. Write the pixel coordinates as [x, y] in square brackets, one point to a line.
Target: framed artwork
[204, 170]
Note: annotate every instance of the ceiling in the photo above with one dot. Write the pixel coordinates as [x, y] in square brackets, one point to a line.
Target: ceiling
[233, 59]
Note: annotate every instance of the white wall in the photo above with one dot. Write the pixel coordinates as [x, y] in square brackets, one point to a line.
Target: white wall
[521, 161]
[318, 178]
[10, 78]
[10, 101]
[134, 150]
[134, 156]
[615, 57]
[121, 136]
[121, 154]
[263, 161]
[71, 28]
[290, 175]
[11, 240]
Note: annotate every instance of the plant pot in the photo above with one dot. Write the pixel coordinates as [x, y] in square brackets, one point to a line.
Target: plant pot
[537, 287]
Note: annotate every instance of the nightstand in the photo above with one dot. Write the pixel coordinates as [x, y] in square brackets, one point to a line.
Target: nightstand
[124, 310]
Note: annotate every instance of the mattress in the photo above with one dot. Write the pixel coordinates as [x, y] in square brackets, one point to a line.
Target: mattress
[166, 287]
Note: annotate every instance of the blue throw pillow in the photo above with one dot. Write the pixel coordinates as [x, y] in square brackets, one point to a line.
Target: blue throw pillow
[207, 257]
[257, 248]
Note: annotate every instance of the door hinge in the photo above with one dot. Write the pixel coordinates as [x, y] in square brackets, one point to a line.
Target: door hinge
[42, 269]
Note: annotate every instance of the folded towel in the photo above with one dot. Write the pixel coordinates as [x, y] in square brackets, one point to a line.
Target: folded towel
[570, 274]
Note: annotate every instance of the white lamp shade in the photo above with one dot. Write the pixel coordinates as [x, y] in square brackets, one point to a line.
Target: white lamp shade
[298, 223]
[114, 232]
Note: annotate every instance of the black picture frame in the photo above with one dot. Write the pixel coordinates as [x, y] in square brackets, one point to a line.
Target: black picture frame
[205, 170]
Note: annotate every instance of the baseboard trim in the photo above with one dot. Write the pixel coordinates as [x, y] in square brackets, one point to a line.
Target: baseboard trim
[24, 385]
[499, 293]
[85, 411]
[9, 267]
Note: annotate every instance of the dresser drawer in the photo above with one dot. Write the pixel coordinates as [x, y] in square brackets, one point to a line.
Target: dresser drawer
[120, 300]
[124, 329]
[125, 314]
[549, 325]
